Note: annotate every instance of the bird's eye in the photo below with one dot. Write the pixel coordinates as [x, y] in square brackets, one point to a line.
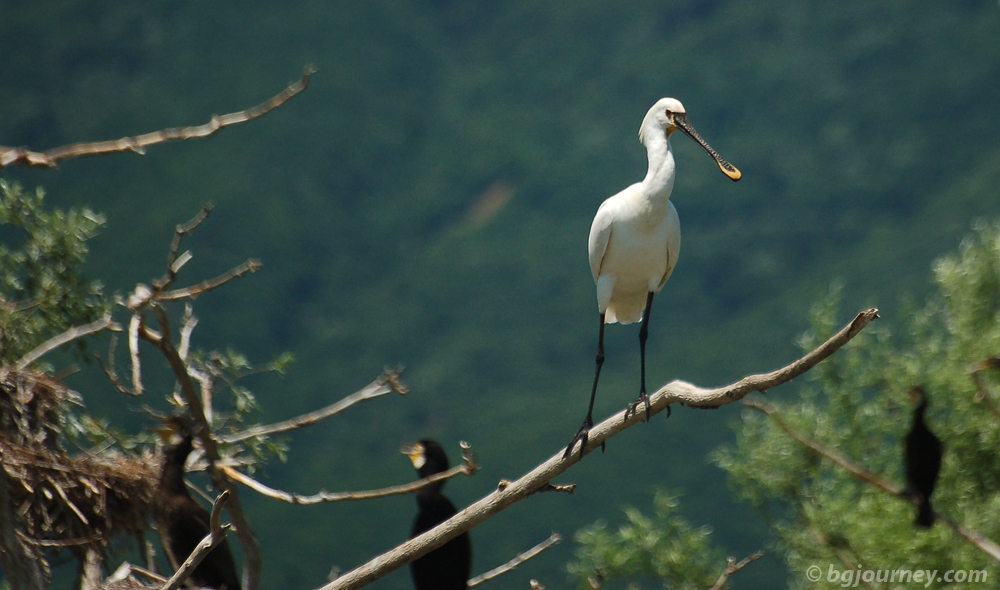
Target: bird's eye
[669, 112]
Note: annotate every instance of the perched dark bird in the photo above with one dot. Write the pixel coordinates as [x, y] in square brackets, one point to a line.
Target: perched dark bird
[923, 459]
[448, 566]
[183, 522]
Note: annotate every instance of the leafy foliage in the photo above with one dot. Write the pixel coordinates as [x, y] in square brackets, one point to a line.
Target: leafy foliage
[855, 402]
[662, 550]
[42, 288]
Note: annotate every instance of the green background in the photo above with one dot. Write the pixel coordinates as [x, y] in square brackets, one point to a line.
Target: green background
[865, 132]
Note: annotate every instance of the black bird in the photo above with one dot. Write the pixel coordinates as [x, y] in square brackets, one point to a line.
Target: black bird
[923, 459]
[183, 522]
[448, 566]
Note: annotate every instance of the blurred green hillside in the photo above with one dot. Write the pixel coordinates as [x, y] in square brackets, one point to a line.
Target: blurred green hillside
[427, 202]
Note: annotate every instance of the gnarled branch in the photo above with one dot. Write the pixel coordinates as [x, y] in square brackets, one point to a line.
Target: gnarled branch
[500, 499]
[50, 158]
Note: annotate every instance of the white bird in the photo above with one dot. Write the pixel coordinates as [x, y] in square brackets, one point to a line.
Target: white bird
[635, 241]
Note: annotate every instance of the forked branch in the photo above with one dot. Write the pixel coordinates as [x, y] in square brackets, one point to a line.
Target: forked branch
[501, 499]
[50, 158]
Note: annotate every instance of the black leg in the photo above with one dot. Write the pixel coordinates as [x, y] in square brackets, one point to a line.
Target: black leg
[643, 335]
[588, 422]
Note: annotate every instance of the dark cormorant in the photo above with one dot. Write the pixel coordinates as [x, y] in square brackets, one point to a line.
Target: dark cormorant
[923, 459]
[448, 566]
[183, 522]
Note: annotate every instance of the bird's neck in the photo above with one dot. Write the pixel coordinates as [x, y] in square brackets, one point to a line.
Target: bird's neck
[659, 181]
[172, 476]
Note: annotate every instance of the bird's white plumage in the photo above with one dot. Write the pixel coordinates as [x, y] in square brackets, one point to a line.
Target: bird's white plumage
[636, 235]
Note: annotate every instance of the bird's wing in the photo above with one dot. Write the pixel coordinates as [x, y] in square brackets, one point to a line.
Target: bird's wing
[673, 243]
[600, 234]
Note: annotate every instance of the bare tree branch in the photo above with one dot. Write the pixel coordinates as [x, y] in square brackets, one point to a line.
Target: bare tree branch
[500, 499]
[194, 291]
[467, 468]
[216, 534]
[521, 558]
[50, 158]
[68, 336]
[983, 543]
[734, 566]
[386, 383]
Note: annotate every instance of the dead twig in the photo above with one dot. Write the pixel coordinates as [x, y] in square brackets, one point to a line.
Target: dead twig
[105, 323]
[467, 468]
[386, 383]
[501, 499]
[50, 158]
[734, 566]
[554, 539]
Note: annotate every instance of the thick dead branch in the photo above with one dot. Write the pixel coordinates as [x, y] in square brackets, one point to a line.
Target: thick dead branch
[984, 544]
[386, 383]
[734, 566]
[68, 336]
[468, 467]
[50, 158]
[216, 534]
[500, 499]
[521, 558]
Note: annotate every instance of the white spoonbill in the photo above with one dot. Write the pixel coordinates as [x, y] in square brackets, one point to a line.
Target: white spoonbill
[635, 240]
